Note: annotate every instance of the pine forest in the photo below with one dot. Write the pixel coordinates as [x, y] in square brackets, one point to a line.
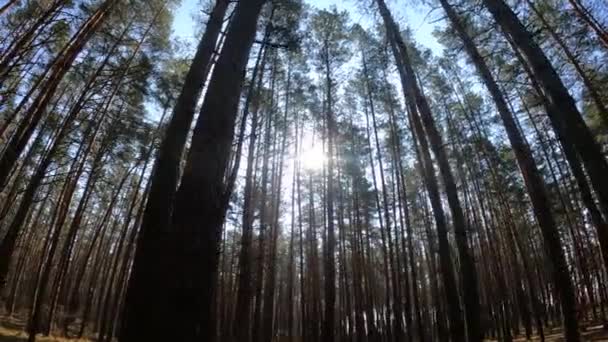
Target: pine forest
[303, 170]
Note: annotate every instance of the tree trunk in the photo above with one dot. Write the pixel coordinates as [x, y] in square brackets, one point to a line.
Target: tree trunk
[7, 61]
[164, 179]
[242, 329]
[179, 274]
[7, 5]
[531, 175]
[595, 96]
[561, 107]
[588, 19]
[62, 65]
[469, 274]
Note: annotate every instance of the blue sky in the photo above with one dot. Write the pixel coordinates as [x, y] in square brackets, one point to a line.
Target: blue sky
[417, 17]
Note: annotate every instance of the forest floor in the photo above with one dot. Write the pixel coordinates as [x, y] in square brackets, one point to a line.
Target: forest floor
[11, 330]
[589, 333]
[10, 335]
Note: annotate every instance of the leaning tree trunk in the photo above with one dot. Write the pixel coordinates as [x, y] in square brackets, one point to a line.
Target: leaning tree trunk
[584, 14]
[569, 124]
[7, 6]
[62, 65]
[428, 173]
[561, 107]
[593, 93]
[8, 62]
[176, 265]
[164, 179]
[532, 178]
[467, 263]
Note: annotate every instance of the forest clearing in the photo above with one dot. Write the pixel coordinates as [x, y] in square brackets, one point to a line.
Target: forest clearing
[303, 170]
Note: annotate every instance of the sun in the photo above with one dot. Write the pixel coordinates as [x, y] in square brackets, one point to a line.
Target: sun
[313, 157]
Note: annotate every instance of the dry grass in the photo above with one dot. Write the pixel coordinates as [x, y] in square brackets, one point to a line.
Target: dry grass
[10, 335]
[11, 330]
[590, 333]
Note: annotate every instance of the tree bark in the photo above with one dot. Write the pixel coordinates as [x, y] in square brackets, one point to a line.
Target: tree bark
[7, 5]
[588, 18]
[469, 273]
[180, 273]
[532, 178]
[561, 107]
[64, 62]
[163, 184]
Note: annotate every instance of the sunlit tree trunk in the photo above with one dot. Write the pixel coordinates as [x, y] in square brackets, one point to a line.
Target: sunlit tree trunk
[59, 69]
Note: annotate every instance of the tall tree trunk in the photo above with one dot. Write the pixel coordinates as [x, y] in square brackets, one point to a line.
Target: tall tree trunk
[584, 14]
[242, 329]
[164, 180]
[176, 265]
[532, 178]
[328, 329]
[561, 109]
[269, 290]
[61, 66]
[467, 263]
[263, 209]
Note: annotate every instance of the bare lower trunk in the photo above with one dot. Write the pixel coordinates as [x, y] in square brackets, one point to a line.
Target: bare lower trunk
[182, 283]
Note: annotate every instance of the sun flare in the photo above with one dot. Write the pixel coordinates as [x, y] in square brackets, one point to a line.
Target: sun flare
[313, 158]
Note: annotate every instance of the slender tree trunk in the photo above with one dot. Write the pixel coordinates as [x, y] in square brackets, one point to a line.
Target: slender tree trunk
[396, 302]
[469, 274]
[7, 5]
[7, 62]
[595, 96]
[532, 177]
[584, 14]
[328, 330]
[263, 210]
[242, 329]
[62, 65]
[561, 108]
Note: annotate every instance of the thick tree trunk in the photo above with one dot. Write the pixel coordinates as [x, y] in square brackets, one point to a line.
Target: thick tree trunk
[164, 179]
[106, 330]
[176, 265]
